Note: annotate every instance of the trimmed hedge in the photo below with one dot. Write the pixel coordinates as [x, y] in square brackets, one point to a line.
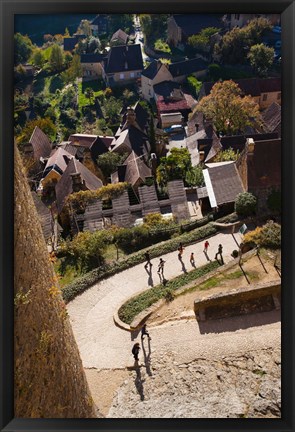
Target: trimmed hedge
[134, 306]
[70, 291]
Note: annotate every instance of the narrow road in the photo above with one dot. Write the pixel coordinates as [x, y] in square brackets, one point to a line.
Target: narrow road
[101, 343]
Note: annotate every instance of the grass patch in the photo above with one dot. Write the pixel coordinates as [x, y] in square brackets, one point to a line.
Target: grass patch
[259, 372]
[234, 275]
[134, 306]
[97, 87]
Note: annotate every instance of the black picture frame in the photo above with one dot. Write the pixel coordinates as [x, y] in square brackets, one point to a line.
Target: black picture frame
[8, 10]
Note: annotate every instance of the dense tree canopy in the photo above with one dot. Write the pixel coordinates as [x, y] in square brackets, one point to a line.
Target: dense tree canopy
[230, 112]
[201, 41]
[261, 58]
[237, 42]
[108, 163]
[245, 204]
[174, 167]
[23, 48]
[56, 59]
[226, 155]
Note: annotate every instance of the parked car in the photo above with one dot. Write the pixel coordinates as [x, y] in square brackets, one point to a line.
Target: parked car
[173, 129]
[278, 44]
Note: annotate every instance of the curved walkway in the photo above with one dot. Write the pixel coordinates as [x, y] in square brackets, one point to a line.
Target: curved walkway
[102, 344]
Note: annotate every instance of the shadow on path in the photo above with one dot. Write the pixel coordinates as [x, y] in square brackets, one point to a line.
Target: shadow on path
[206, 255]
[139, 382]
[241, 322]
[183, 268]
[150, 279]
[147, 357]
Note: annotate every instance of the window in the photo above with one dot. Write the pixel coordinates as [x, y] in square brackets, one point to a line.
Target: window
[264, 97]
[121, 76]
[279, 96]
[132, 74]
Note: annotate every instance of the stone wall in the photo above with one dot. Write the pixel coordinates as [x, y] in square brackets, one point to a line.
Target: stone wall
[49, 376]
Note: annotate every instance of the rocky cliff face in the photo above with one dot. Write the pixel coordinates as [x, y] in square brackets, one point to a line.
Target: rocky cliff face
[49, 377]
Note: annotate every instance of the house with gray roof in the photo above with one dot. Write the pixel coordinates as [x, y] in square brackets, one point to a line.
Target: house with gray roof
[181, 26]
[181, 70]
[223, 184]
[155, 73]
[92, 65]
[119, 38]
[123, 65]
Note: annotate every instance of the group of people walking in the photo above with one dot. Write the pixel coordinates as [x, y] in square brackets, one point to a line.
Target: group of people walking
[180, 253]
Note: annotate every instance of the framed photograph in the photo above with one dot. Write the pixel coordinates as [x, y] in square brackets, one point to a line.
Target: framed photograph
[147, 215]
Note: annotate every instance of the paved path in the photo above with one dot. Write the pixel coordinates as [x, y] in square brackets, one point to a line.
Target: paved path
[101, 343]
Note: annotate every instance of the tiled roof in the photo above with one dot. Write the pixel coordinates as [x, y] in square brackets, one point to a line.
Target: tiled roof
[272, 118]
[152, 69]
[41, 145]
[44, 215]
[124, 58]
[187, 67]
[133, 169]
[92, 58]
[134, 139]
[120, 35]
[84, 140]
[65, 186]
[237, 142]
[226, 183]
[251, 86]
[171, 106]
[170, 97]
[193, 23]
[264, 169]
[70, 43]
[59, 158]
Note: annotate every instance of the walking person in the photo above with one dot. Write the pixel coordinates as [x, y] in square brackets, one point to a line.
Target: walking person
[148, 260]
[206, 244]
[219, 252]
[135, 351]
[180, 250]
[144, 332]
[192, 259]
[161, 267]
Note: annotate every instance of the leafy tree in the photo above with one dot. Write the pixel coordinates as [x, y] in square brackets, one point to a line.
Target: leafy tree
[94, 45]
[231, 112]
[23, 48]
[74, 71]
[237, 42]
[146, 25]
[214, 71]
[56, 59]
[194, 177]
[67, 33]
[81, 47]
[245, 204]
[174, 167]
[201, 41]
[226, 155]
[89, 93]
[45, 124]
[261, 58]
[268, 236]
[38, 58]
[87, 248]
[194, 85]
[40, 105]
[108, 163]
[85, 28]
[112, 108]
[68, 99]
[69, 118]
[161, 45]
[120, 21]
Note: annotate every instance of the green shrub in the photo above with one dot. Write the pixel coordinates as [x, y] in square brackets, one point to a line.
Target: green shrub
[267, 236]
[233, 217]
[235, 253]
[245, 204]
[137, 304]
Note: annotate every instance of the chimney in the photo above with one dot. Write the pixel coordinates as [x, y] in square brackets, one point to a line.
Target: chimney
[201, 155]
[250, 145]
[28, 150]
[131, 116]
[77, 182]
